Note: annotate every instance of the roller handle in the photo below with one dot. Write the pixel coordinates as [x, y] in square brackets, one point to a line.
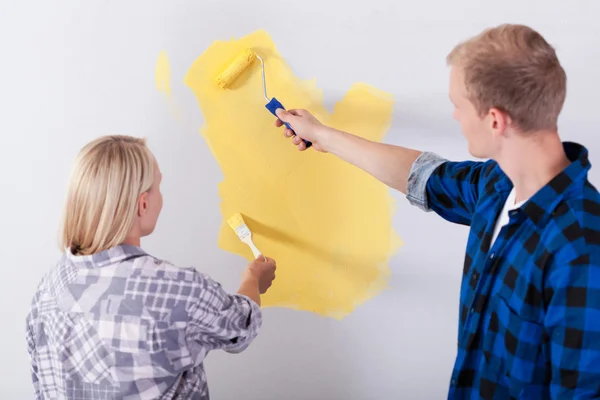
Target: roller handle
[272, 106]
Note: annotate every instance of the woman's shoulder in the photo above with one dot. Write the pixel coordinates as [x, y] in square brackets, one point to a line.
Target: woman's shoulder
[155, 267]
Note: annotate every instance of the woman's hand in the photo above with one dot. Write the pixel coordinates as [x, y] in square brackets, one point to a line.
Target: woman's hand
[257, 278]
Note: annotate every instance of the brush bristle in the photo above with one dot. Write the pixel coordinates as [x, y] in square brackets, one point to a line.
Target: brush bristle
[237, 66]
[236, 221]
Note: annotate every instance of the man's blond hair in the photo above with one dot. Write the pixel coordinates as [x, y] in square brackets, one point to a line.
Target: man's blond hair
[109, 175]
[513, 68]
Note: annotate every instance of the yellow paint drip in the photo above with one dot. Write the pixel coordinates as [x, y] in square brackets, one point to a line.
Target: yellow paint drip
[162, 77]
[327, 223]
[162, 74]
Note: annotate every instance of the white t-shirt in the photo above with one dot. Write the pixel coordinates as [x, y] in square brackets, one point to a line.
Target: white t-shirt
[503, 218]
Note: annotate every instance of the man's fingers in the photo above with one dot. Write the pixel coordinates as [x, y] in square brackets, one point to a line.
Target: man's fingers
[283, 114]
[294, 112]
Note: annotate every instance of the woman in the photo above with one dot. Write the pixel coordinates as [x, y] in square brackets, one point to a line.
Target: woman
[110, 321]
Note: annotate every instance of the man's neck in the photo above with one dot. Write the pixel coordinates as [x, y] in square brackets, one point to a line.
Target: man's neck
[531, 161]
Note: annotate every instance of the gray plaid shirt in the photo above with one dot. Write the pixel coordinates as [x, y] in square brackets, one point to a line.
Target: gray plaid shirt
[122, 324]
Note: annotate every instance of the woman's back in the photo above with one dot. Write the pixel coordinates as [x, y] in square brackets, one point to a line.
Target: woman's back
[123, 324]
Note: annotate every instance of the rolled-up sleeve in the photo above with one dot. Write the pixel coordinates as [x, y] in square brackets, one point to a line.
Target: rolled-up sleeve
[219, 320]
[421, 170]
[450, 189]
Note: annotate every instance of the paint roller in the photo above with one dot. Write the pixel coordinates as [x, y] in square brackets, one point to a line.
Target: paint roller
[243, 60]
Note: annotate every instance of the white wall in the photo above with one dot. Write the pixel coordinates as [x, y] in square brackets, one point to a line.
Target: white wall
[71, 71]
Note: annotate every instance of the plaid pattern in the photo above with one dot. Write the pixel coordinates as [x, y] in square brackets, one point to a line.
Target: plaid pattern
[530, 302]
[123, 324]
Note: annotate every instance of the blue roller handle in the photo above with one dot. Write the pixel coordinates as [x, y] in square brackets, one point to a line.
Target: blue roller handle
[272, 106]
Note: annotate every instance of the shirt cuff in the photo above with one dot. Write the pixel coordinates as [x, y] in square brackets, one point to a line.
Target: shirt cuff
[421, 170]
[252, 314]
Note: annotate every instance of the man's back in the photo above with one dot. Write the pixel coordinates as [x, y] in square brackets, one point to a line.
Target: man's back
[122, 324]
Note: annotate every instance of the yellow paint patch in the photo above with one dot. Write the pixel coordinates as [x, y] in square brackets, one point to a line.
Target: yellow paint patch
[162, 77]
[325, 222]
[162, 74]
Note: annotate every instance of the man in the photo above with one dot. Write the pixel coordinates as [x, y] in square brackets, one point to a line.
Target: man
[530, 295]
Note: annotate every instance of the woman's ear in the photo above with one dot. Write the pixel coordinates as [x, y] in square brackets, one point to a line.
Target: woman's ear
[143, 204]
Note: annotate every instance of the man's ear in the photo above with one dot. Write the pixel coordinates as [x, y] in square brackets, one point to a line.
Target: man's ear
[143, 204]
[499, 121]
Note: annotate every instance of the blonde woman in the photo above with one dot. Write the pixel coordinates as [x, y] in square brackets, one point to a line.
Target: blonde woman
[111, 321]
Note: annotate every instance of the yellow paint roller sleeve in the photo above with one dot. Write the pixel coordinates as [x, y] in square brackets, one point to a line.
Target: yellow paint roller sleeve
[235, 68]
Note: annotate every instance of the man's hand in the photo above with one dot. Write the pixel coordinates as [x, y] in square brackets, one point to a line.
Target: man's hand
[306, 127]
[261, 272]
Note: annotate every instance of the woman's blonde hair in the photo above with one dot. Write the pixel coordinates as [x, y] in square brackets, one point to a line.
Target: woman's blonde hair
[109, 175]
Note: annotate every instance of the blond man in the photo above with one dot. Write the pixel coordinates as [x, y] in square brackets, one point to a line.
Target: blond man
[110, 321]
[530, 296]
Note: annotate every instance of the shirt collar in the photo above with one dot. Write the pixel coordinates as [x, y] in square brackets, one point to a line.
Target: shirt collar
[543, 203]
[104, 258]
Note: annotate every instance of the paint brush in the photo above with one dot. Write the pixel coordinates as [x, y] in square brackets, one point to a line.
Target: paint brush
[239, 65]
[237, 223]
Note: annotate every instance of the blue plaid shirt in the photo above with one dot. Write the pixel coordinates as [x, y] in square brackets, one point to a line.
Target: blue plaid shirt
[121, 324]
[529, 305]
